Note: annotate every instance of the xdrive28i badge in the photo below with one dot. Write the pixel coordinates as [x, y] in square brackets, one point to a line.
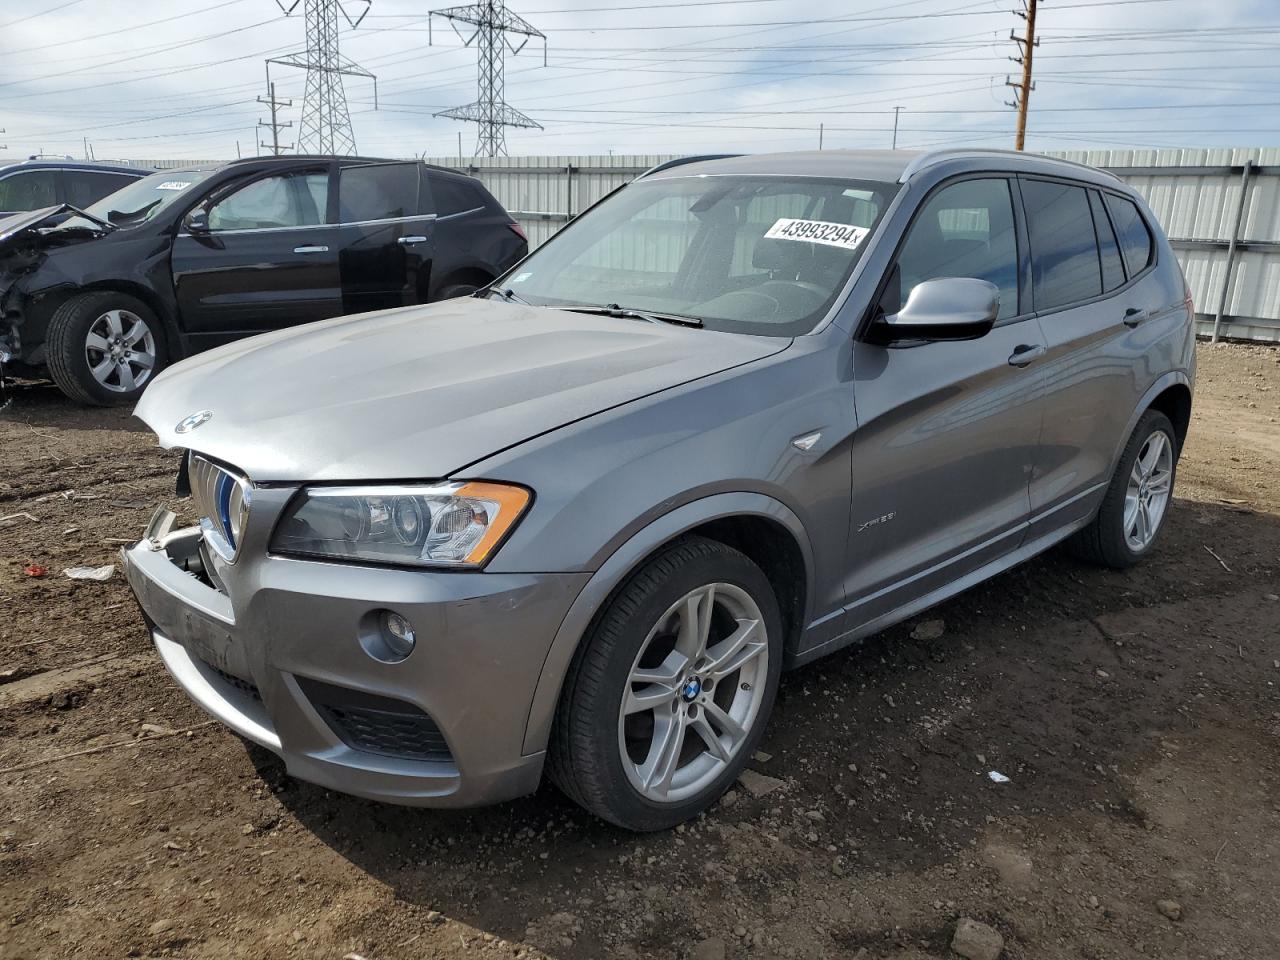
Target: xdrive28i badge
[187, 424]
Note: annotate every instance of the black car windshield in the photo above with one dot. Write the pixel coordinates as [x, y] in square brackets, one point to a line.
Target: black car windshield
[143, 199]
[749, 254]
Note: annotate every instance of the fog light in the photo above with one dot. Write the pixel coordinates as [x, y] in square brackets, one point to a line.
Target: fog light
[398, 634]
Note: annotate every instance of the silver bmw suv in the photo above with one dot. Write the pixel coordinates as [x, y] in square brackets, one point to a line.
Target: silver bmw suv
[740, 414]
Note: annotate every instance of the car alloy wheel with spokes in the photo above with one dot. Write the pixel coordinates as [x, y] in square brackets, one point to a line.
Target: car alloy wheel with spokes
[1147, 496]
[694, 691]
[669, 693]
[121, 350]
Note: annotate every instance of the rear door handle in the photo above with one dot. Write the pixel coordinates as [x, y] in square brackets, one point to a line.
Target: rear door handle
[410, 241]
[311, 249]
[1024, 353]
[1133, 316]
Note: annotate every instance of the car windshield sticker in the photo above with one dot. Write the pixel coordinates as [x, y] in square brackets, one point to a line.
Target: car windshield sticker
[817, 231]
[522, 277]
[174, 185]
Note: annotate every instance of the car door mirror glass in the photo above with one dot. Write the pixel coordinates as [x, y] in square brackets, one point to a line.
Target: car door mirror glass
[197, 221]
[946, 308]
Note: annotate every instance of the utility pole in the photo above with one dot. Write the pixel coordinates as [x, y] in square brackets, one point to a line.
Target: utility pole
[494, 25]
[1022, 89]
[896, 111]
[326, 123]
[275, 124]
[820, 126]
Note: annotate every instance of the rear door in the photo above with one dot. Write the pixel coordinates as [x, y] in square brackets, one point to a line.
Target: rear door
[386, 229]
[268, 260]
[1086, 298]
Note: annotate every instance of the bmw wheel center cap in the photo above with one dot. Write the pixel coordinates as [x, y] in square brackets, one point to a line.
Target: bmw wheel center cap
[691, 689]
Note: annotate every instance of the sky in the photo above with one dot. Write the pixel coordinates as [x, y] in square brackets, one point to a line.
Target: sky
[180, 79]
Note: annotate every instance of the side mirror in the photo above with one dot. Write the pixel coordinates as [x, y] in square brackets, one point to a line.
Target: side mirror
[948, 308]
[197, 221]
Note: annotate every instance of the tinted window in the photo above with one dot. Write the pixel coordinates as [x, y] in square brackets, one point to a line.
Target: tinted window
[1064, 251]
[1108, 249]
[289, 200]
[28, 191]
[1135, 238]
[380, 192]
[83, 187]
[964, 230]
[454, 196]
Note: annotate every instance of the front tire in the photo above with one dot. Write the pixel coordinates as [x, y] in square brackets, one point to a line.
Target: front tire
[1137, 499]
[668, 697]
[103, 348]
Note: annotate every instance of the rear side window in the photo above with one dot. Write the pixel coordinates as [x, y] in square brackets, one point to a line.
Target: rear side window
[964, 230]
[84, 187]
[1108, 248]
[28, 191]
[455, 196]
[1064, 250]
[384, 192]
[1135, 238]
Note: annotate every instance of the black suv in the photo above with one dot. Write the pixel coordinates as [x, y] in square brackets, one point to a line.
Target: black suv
[188, 259]
[41, 182]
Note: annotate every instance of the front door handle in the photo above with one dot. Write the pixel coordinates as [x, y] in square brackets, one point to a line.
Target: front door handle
[410, 241]
[311, 249]
[1024, 353]
[1133, 316]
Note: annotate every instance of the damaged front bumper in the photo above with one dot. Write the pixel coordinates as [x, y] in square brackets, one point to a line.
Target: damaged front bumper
[270, 646]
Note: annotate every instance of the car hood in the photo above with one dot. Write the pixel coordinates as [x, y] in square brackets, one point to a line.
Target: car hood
[18, 226]
[421, 392]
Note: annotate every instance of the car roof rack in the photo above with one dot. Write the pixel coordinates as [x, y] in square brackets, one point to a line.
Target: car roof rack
[932, 157]
[681, 161]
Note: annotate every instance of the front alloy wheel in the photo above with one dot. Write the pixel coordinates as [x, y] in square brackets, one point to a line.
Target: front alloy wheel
[669, 693]
[694, 691]
[120, 349]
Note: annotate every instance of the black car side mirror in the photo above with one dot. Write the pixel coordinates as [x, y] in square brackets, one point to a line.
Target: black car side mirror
[197, 221]
[947, 308]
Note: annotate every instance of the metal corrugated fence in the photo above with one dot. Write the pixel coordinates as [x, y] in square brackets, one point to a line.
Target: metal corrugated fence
[1195, 194]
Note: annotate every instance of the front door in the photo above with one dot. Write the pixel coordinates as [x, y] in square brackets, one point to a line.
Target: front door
[947, 431]
[386, 233]
[269, 259]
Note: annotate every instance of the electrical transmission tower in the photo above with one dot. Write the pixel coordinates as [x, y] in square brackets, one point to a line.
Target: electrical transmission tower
[275, 124]
[326, 123]
[1022, 89]
[494, 24]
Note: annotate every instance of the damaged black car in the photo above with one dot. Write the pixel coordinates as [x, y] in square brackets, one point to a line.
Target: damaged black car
[102, 298]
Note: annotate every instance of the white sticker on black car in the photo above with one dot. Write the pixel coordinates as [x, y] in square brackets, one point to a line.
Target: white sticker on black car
[817, 231]
[174, 185]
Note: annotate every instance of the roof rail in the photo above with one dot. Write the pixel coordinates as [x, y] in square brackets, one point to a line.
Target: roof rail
[932, 157]
[681, 161]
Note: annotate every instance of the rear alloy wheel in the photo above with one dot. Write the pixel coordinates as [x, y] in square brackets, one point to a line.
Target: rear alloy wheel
[668, 697]
[1137, 500]
[104, 348]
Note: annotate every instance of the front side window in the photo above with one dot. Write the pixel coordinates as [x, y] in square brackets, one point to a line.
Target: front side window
[964, 230]
[287, 200]
[32, 190]
[761, 255]
[1064, 251]
[383, 192]
[1135, 238]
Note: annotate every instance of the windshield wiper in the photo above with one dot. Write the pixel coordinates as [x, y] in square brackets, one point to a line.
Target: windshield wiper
[508, 295]
[629, 313]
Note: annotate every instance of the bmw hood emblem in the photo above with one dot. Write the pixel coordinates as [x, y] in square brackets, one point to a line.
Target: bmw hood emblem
[187, 424]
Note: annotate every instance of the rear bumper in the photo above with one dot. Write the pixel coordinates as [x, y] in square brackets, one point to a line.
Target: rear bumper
[254, 657]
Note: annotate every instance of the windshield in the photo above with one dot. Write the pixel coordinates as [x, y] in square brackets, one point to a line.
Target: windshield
[761, 255]
[143, 199]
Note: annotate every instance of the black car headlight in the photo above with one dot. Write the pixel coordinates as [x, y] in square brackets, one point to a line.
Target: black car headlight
[444, 524]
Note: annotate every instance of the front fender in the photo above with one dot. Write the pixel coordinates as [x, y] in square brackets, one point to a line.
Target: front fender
[620, 564]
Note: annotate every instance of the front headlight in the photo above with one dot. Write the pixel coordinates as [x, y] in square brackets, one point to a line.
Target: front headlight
[450, 524]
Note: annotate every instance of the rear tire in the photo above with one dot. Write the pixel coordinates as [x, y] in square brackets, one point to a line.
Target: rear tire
[104, 347]
[660, 713]
[1137, 500]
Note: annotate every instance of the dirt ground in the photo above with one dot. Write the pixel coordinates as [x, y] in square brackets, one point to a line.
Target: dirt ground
[1136, 715]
